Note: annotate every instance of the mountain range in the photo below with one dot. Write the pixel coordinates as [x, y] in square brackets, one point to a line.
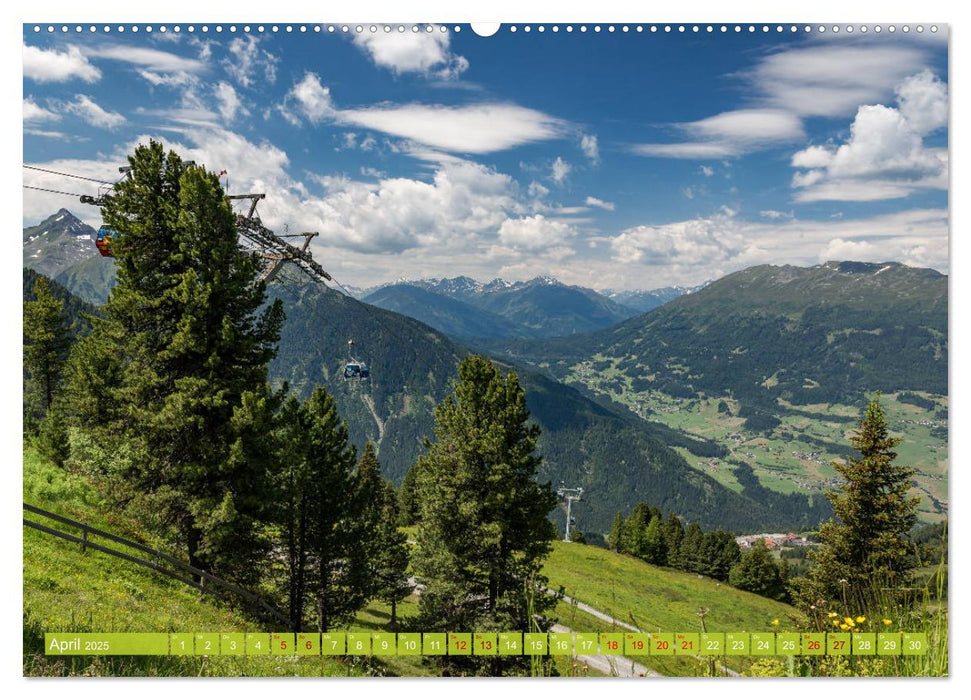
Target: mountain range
[829, 332]
[461, 307]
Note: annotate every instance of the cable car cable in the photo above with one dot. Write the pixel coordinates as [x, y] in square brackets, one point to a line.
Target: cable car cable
[44, 189]
[78, 177]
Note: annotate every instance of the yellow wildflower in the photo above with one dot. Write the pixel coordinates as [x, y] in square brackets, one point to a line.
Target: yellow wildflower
[832, 614]
[776, 622]
[849, 621]
[844, 627]
[861, 619]
[887, 622]
[836, 623]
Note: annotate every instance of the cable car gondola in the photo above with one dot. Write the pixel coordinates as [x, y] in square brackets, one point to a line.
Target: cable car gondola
[355, 370]
[104, 240]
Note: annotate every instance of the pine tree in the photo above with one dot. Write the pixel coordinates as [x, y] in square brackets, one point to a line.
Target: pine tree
[617, 536]
[484, 527]
[322, 521]
[408, 503]
[673, 537]
[293, 488]
[865, 547]
[387, 547]
[758, 573]
[655, 551]
[691, 553]
[634, 529]
[188, 341]
[46, 344]
[721, 552]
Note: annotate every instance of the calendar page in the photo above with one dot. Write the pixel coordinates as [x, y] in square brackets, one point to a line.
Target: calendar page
[436, 349]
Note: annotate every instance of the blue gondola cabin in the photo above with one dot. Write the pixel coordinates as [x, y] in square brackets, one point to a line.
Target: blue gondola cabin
[356, 370]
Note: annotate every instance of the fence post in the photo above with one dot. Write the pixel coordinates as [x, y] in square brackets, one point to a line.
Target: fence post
[84, 537]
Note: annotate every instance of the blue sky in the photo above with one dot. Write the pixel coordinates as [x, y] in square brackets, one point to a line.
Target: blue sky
[622, 160]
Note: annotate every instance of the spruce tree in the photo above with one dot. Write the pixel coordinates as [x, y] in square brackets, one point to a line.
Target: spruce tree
[691, 553]
[673, 537]
[323, 519]
[635, 528]
[408, 503]
[386, 546]
[865, 546]
[386, 549]
[655, 550]
[617, 536]
[484, 529]
[758, 573]
[721, 553]
[46, 344]
[189, 346]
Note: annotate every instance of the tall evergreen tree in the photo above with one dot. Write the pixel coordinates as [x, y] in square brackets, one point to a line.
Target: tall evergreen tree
[635, 528]
[484, 527]
[692, 551]
[408, 501]
[655, 549]
[673, 537]
[617, 536]
[46, 344]
[329, 533]
[865, 547]
[386, 546]
[721, 553]
[191, 345]
[758, 573]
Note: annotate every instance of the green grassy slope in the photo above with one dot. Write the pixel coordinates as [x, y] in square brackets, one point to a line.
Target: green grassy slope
[65, 590]
[656, 599]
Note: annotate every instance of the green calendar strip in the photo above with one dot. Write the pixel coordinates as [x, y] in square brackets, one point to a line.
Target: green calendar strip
[486, 644]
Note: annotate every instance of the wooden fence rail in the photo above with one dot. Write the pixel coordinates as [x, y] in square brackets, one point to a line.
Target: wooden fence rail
[160, 562]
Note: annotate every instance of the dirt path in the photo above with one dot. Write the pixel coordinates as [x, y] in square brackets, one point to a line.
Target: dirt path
[619, 666]
[620, 623]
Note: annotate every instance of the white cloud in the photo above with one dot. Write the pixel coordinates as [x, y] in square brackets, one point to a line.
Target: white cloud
[534, 233]
[884, 156]
[427, 53]
[559, 170]
[313, 99]
[727, 134]
[594, 202]
[712, 246]
[177, 79]
[35, 114]
[819, 80]
[475, 128]
[479, 128]
[537, 190]
[922, 100]
[56, 66]
[93, 114]
[700, 241]
[590, 148]
[774, 214]
[706, 170]
[149, 59]
[833, 80]
[229, 103]
[249, 63]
